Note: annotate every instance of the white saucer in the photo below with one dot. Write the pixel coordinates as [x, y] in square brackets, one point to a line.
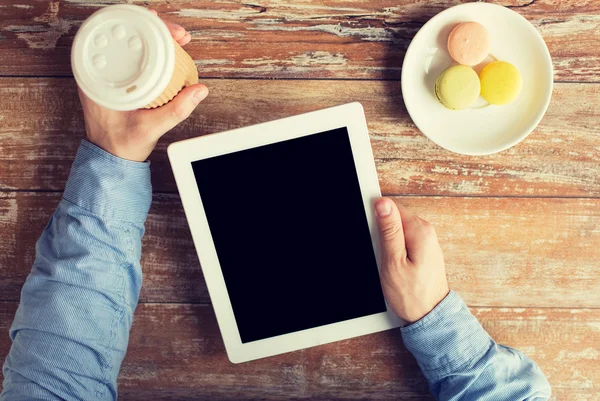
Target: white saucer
[479, 130]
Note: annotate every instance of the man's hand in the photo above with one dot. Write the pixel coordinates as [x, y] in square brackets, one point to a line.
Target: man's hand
[133, 134]
[413, 274]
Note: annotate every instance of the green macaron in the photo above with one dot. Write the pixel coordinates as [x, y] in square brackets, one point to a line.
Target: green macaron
[458, 87]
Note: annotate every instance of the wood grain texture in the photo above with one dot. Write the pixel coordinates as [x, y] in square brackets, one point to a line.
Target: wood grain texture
[176, 352]
[499, 251]
[560, 158]
[301, 39]
[520, 230]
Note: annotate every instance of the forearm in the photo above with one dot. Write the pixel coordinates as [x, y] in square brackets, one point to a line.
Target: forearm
[71, 329]
[461, 361]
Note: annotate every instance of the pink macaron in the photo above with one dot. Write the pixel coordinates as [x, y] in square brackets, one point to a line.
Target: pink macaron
[469, 43]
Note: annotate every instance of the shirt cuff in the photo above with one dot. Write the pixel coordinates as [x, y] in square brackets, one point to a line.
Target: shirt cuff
[446, 338]
[108, 186]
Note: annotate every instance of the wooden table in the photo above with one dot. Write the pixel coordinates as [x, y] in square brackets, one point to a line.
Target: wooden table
[520, 229]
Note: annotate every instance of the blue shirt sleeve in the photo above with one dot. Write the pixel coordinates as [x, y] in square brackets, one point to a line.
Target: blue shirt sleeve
[461, 361]
[71, 328]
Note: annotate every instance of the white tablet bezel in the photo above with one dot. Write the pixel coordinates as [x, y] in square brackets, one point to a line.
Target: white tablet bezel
[183, 153]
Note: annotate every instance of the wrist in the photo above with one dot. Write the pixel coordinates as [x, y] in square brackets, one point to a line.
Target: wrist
[428, 308]
[419, 302]
[134, 153]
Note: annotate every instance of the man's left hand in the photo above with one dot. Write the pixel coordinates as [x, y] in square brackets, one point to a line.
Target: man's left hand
[133, 134]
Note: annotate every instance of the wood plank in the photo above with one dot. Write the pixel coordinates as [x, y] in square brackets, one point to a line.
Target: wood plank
[559, 159]
[499, 251]
[302, 39]
[188, 361]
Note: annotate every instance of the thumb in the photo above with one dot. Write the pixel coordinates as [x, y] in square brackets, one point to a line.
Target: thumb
[391, 231]
[168, 116]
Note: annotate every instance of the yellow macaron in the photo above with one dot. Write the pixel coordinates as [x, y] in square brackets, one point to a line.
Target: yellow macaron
[458, 87]
[501, 82]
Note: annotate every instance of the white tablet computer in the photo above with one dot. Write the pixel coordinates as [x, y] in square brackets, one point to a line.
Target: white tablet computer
[281, 215]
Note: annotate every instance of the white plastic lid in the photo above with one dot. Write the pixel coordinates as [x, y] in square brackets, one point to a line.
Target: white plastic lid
[123, 57]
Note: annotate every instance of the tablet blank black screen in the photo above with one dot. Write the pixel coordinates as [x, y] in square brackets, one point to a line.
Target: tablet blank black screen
[290, 231]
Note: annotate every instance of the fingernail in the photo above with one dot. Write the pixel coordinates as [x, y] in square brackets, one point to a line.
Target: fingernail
[383, 208]
[199, 95]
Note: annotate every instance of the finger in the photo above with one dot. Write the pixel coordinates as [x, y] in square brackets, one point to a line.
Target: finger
[185, 40]
[422, 220]
[168, 116]
[391, 231]
[177, 31]
[418, 234]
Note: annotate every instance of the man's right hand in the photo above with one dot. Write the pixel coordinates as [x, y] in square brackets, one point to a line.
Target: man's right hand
[413, 274]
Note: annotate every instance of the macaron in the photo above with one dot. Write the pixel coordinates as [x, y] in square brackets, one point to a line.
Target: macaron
[469, 43]
[501, 82]
[458, 87]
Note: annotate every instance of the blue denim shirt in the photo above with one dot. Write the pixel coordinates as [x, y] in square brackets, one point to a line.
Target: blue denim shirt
[71, 329]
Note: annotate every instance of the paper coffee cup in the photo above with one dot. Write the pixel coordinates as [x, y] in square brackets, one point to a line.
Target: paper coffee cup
[124, 58]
